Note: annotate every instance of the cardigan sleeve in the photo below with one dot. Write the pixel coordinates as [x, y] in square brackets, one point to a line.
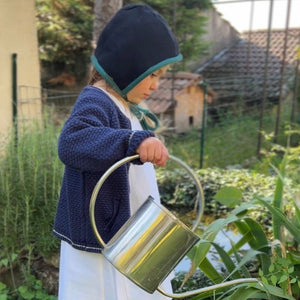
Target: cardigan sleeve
[97, 134]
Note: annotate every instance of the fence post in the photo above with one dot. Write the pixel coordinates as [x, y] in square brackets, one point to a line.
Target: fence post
[265, 91]
[283, 63]
[204, 85]
[14, 96]
[296, 89]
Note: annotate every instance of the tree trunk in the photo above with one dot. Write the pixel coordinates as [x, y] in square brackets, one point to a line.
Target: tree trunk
[104, 10]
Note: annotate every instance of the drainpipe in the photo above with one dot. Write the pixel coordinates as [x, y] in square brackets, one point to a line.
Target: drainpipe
[14, 96]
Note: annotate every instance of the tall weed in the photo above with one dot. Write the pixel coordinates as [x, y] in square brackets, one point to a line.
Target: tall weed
[30, 178]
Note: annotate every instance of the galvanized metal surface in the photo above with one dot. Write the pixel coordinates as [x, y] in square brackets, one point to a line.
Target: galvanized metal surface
[149, 245]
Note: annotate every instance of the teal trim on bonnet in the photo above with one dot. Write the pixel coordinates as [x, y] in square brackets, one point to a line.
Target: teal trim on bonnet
[137, 110]
[102, 72]
[150, 71]
[124, 92]
[142, 114]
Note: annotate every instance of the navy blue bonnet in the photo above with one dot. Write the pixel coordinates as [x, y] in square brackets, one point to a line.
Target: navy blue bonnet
[134, 44]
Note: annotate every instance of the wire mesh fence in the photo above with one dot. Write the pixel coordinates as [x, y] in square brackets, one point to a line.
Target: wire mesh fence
[29, 103]
[230, 134]
[233, 137]
[60, 101]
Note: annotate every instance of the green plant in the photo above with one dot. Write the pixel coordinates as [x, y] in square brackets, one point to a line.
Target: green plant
[281, 272]
[279, 267]
[178, 191]
[236, 264]
[30, 179]
[32, 289]
[230, 140]
[4, 291]
[64, 34]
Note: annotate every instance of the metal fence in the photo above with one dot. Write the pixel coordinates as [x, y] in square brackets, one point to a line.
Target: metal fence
[243, 124]
[60, 101]
[238, 121]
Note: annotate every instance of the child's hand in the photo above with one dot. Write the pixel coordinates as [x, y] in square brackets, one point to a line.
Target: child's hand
[153, 150]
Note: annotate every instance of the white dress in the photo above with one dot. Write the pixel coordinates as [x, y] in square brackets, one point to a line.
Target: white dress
[89, 276]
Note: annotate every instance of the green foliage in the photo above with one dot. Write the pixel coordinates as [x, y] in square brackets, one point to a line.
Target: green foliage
[32, 289]
[279, 275]
[65, 33]
[286, 166]
[282, 273]
[179, 192]
[229, 196]
[176, 188]
[198, 279]
[5, 262]
[276, 197]
[271, 160]
[233, 140]
[3, 291]
[279, 266]
[30, 179]
[225, 144]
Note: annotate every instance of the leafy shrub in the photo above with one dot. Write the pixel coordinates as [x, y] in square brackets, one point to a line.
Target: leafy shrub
[277, 254]
[177, 190]
[31, 290]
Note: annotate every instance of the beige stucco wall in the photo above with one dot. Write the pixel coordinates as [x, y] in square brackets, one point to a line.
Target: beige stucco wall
[189, 104]
[18, 35]
[219, 34]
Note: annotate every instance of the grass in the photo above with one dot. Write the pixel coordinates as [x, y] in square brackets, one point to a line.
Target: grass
[232, 141]
[30, 178]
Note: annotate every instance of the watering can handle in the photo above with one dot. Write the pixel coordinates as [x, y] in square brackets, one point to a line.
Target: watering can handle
[199, 201]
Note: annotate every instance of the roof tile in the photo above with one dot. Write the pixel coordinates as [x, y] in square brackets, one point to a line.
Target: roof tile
[246, 61]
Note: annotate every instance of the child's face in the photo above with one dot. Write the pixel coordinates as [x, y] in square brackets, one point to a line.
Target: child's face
[145, 87]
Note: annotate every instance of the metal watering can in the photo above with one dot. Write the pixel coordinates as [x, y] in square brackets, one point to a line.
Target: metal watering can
[153, 241]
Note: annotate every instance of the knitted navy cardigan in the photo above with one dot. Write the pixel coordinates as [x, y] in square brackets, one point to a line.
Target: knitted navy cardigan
[96, 135]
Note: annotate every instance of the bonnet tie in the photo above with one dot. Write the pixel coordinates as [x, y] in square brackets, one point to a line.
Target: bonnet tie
[143, 114]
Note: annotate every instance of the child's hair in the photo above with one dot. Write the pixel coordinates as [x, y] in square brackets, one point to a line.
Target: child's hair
[94, 76]
[98, 80]
[150, 121]
[162, 70]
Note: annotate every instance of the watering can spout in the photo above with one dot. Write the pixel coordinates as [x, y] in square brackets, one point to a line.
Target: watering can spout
[208, 288]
